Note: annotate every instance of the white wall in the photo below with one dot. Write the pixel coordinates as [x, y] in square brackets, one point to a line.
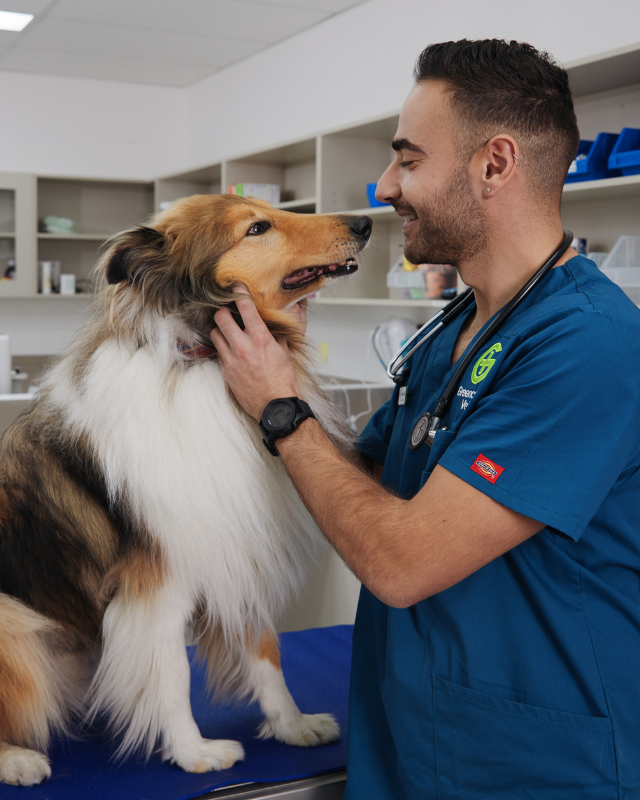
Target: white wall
[358, 65]
[66, 126]
[40, 327]
[352, 67]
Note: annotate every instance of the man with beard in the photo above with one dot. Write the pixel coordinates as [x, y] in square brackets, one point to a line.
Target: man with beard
[497, 639]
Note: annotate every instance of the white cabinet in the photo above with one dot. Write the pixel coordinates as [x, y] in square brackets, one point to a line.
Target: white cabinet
[17, 233]
[327, 173]
[97, 208]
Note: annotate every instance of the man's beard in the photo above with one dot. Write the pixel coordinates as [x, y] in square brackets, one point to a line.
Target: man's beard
[451, 229]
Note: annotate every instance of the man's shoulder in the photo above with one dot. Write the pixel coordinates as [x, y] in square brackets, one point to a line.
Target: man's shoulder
[583, 303]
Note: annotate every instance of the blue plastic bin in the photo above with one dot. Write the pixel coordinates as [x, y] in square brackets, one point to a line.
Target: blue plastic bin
[596, 163]
[625, 155]
[371, 196]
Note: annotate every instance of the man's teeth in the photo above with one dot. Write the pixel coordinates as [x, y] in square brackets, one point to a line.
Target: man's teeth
[410, 218]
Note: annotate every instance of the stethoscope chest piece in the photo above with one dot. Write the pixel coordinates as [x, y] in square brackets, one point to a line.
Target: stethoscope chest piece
[420, 432]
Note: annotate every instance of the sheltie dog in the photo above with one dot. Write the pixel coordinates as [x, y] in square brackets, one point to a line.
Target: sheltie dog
[136, 497]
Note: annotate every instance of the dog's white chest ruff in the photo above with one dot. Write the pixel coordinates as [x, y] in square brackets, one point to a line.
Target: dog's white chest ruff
[195, 474]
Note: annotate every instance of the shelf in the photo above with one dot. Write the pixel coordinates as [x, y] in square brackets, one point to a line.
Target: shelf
[379, 301]
[79, 295]
[606, 71]
[292, 204]
[79, 237]
[604, 189]
[385, 213]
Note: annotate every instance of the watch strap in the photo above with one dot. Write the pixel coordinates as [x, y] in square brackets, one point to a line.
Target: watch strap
[269, 437]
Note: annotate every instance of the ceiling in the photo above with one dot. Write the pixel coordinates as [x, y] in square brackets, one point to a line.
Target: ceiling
[159, 42]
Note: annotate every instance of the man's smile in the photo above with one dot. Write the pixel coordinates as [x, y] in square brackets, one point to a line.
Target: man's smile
[409, 218]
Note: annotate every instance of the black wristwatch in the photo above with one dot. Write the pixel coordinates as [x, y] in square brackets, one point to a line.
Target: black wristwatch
[280, 418]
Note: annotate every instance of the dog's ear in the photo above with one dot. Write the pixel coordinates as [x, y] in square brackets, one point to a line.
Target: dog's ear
[132, 251]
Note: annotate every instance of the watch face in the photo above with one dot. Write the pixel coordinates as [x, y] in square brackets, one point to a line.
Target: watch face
[279, 414]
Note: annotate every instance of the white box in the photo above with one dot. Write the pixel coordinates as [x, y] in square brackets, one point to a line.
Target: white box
[67, 283]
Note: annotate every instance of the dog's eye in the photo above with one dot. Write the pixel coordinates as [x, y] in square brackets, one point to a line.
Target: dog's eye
[257, 228]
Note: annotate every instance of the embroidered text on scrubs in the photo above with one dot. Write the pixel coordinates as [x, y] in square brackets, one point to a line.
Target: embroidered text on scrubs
[466, 393]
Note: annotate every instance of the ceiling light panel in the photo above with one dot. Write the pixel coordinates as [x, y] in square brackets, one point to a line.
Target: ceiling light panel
[13, 21]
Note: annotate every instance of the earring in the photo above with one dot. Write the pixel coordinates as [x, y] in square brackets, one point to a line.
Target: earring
[488, 188]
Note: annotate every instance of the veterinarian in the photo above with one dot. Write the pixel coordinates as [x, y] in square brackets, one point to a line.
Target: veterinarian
[496, 651]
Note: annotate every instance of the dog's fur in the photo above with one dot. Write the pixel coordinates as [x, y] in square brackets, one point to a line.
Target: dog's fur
[136, 497]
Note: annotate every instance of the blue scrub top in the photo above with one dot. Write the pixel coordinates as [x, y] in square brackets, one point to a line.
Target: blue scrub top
[523, 680]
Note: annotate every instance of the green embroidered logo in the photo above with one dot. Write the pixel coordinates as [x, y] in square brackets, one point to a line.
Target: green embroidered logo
[484, 363]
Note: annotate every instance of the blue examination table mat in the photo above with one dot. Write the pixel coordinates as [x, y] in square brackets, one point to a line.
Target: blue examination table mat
[316, 666]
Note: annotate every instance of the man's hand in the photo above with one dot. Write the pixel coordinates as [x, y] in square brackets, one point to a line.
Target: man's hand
[256, 366]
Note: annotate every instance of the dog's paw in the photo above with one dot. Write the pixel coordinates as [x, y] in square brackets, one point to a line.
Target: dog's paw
[306, 730]
[209, 755]
[22, 767]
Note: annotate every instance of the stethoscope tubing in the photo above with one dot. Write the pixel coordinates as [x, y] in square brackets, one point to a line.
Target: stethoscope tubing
[449, 313]
[453, 310]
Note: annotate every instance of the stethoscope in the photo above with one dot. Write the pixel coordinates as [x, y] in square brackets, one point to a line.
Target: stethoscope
[426, 427]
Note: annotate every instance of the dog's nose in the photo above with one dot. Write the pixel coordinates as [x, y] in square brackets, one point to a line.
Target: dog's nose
[362, 226]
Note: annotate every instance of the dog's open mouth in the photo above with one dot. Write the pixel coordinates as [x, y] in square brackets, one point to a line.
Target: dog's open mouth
[306, 275]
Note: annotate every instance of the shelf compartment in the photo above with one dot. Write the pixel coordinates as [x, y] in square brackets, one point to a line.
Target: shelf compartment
[292, 167]
[76, 255]
[17, 226]
[351, 159]
[97, 207]
[7, 212]
[207, 180]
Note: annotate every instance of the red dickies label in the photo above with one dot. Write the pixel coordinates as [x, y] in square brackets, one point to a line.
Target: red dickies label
[487, 468]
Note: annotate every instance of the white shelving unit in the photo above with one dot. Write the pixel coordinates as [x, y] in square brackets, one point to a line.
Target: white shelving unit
[327, 173]
[344, 160]
[98, 209]
[17, 225]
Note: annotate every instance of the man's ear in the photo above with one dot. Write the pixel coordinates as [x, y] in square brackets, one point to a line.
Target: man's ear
[134, 252]
[501, 157]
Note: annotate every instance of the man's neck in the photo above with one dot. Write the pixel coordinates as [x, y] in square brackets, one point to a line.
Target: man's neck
[507, 263]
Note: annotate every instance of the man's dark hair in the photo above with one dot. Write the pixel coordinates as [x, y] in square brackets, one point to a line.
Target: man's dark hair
[509, 87]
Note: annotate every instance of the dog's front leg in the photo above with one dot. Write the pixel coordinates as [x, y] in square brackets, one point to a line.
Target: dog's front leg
[143, 681]
[283, 720]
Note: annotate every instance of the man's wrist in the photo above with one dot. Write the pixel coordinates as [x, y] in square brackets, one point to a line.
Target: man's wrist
[281, 417]
[282, 443]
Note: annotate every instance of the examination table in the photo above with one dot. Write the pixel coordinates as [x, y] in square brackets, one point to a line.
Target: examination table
[316, 667]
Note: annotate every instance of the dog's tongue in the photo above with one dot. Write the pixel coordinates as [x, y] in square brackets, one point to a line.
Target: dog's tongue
[307, 274]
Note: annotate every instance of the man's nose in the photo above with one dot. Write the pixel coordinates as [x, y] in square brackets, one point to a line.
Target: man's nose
[388, 188]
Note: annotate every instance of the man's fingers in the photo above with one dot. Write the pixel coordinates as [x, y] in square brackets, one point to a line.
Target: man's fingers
[253, 322]
[221, 344]
[229, 327]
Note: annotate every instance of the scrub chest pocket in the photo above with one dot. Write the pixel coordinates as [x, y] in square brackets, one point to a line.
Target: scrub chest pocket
[487, 747]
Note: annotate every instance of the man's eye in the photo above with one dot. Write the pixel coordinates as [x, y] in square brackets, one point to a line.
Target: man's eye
[406, 163]
[257, 228]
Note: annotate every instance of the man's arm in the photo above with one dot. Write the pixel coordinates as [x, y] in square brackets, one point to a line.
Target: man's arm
[402, 550]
